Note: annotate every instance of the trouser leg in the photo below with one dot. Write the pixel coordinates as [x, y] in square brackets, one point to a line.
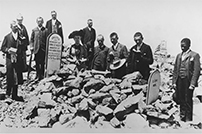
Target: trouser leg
[37, 68]
[185, 98]
[15, 91]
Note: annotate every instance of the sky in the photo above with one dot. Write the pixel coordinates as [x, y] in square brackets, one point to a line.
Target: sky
[157, 20]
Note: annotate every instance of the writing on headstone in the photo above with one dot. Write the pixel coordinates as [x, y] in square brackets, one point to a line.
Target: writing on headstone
[153, 87]
[54, 52]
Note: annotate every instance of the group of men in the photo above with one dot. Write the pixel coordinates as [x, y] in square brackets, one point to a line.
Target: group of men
[86, 55]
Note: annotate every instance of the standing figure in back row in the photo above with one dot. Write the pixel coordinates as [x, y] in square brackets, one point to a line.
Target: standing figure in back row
[38, 47]
[54, 26]
[88, 40]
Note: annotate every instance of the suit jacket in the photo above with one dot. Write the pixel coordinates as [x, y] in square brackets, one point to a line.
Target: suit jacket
[23, 33]
[140, 62]
[120, 52]
[9, 42]
[36, 40]
[89, 37]
[59, 28]
[99, 61]
[192, 65]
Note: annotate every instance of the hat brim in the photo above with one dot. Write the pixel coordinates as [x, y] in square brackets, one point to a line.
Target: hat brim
[76, 33]
[122, 62]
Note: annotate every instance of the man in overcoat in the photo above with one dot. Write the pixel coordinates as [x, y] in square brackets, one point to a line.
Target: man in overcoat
[185, 79]
[140, 57]
[13, 49]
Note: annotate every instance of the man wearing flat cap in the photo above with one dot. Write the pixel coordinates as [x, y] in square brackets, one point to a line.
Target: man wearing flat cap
[77, 52]
[11, 48]
[140, 57]
[54, 25]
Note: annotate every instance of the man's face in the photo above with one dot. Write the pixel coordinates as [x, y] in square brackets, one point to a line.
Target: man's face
[20, 21]
[138, 39]
[54, 15]
[114, 39]
[40, 22]
[14, 28]
[100, 41]
[77, 39]
[184, 46]
[90, 23]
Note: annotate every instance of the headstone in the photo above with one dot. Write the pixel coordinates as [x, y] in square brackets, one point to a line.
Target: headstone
[153, 87]
[53, 54]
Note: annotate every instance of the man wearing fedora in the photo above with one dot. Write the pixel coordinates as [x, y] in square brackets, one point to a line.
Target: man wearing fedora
[140, 57]
[115, 55]
[77, 52]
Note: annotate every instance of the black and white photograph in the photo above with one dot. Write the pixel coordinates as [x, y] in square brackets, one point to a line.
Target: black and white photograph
[100, 66]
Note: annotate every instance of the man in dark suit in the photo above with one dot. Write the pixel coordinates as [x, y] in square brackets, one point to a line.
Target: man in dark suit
[185, 79]
[99, 61]
[24, 40]
[38, 47]
[13, 48]
[88, 40]
[54, 26]
[140, 57]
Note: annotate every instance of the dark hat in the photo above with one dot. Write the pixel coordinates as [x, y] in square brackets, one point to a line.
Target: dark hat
[117, 64]
[76, 33]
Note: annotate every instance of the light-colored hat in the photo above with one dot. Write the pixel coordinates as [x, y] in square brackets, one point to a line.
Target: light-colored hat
[19, 17]
[117, 64]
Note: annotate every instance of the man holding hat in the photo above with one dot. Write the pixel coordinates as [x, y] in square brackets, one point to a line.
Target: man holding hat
[54, 25]
[117, 55]
[77, 52]
[10, 47]
[140, 57]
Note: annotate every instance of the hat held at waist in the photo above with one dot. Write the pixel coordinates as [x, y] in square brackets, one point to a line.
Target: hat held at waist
[117, 64]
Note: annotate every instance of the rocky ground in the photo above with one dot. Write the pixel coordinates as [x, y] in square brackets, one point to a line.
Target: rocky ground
[94, 101]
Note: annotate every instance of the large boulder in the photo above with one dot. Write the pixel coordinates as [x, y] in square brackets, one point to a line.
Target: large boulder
[135, 121]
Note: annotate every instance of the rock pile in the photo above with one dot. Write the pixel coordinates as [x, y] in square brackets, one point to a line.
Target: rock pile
[92, 100]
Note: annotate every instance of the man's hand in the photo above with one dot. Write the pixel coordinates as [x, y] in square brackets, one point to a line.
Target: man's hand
[12, 50]
[31, 49]
[191, 87]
